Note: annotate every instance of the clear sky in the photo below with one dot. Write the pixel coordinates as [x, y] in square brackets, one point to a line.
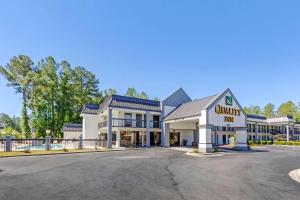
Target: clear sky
[252, 47]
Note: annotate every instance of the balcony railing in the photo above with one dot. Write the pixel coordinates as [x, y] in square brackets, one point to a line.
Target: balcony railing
[131, 123]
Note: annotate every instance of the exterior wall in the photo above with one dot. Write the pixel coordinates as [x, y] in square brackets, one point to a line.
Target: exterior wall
[71, 135]
[183, 125]
[187, 135]
[90, 126]
[218, 119]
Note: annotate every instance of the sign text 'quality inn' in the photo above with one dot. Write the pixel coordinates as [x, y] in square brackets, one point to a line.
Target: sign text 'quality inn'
[227, 110]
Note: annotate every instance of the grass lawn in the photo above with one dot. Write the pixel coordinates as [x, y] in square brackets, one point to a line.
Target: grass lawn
[42, 152]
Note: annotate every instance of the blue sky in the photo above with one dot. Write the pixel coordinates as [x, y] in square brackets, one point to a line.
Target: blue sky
[205, 47]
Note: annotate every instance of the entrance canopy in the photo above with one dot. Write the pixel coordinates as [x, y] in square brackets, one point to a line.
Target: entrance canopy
[203, 115]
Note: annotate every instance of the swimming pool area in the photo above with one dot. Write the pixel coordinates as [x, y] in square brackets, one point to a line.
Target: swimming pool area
[39, 147]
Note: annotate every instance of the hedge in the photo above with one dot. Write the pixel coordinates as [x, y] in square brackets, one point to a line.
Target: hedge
[294, 143]
[250, 142]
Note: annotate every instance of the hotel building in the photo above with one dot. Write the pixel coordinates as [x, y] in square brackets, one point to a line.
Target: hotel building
[178, 121]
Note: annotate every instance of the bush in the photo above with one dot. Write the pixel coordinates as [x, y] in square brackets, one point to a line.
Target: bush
[215, 149]
[289, 143]
[269, 142]
[263, 142]
[250, 142]
[257, 142]
[297, 143]
[195, 151]
[27, 151]
[280, 142]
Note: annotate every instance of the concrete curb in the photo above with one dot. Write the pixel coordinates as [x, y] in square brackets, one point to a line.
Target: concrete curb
[295, 175]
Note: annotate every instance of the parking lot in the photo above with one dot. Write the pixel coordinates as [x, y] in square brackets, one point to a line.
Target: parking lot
[153, 174]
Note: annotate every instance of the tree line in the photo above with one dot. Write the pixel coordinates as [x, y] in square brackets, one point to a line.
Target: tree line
[53, 93]
[287, 108]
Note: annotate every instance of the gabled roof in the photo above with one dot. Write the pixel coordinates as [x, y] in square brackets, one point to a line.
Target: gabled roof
[190, 109]
[90, 109]
[177, 98]
[72, 128]
[118, 101]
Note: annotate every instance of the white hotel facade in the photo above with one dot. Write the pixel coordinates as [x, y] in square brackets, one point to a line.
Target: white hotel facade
[178, 121]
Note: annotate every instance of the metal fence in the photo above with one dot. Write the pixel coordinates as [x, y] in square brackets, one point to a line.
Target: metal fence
[9, 144]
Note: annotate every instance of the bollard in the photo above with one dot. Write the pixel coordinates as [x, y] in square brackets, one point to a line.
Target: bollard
[8, 145]
[48, 143]
[80, 142]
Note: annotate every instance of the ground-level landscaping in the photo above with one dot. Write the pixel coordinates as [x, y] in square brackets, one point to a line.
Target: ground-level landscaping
[260, 142]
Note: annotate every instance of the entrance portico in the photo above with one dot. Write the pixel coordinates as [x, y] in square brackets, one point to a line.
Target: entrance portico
[203, 118]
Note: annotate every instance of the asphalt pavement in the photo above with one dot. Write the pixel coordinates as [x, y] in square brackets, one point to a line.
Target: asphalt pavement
[153, 174]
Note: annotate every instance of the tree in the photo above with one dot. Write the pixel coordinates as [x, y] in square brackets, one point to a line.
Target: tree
[6, 120]
[85, 88]
[109, 92]
[143, 95]
[287, 108]
[131, 92]
[268, 110]
[18, 73]
[297, 114]
[253, 110]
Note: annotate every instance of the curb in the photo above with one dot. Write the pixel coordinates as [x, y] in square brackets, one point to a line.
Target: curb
[295, 175]
[62, 153]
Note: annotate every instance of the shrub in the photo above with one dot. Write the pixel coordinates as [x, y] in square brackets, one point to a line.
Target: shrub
[66, 150]
[257, 142]
[280, 142]
[27, 151]
[195, 151]
[289, 143]
[297, 143]
[269, 142]
[215, 149]
[264, 142]
[250, 142]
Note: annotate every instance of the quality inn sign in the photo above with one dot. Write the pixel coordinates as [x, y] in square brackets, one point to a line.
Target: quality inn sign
[228, 110]
[228, 100]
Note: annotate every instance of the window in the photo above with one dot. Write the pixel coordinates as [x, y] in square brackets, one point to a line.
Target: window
[128, 119]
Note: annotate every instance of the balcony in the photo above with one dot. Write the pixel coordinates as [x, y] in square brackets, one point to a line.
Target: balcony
[130, 123]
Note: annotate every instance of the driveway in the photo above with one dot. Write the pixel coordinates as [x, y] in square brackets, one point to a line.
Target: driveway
[152, 174]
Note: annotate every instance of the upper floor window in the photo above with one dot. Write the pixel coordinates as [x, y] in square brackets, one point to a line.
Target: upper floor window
[128, 119]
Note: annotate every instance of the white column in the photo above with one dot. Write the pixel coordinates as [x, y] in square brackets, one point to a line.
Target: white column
[118, 138]
[109, 129]
[166, 132]
[241, 139]
[143, 140]
[287, 133]
[226, 138]
[204, 144]
[293, 132]
[162, 130]
[132, 137]
[256, 131]
[148, 129]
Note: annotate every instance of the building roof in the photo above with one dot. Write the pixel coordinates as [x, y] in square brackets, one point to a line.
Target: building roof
[90, 109]
[118, 101]
[256, 117]
[177, 98]
[72, 128]
[190, 109]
